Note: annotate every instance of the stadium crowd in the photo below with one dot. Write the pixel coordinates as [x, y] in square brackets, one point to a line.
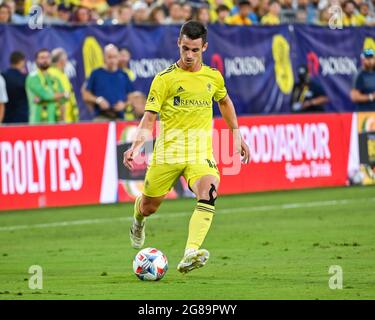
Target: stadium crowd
[162, 12]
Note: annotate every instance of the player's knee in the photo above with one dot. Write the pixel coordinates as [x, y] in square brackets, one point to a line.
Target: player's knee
[209, 196]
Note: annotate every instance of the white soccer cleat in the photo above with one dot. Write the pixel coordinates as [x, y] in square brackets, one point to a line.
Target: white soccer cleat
[137, 235]
[194, 259]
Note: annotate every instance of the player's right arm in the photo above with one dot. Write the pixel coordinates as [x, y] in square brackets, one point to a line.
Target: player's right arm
[144, 133]
[155, 100]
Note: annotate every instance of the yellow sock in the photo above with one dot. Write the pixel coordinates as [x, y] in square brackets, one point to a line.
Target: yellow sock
[199, 225]
[137, 212]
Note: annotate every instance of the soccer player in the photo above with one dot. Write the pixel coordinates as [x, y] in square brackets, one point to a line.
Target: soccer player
[182, 95]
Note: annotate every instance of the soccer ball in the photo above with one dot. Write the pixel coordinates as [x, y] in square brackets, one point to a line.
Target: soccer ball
[150, 264]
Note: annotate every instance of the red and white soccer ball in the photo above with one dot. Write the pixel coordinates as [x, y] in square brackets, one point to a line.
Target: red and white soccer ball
[150, 264]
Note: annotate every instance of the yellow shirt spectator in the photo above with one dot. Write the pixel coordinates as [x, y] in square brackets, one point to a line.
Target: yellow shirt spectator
[239, 21]
[213, 6]
[71, 112]
[349, 21]
[130, 74]
[361, 20]
[270, 19]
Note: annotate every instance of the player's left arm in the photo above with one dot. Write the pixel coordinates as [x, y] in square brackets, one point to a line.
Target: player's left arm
[229, 114]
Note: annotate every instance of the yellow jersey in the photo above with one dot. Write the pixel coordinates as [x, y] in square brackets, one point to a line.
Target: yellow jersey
[361, 19]
[183, 100]
[354, 20]
[239, 21]
[270, 19]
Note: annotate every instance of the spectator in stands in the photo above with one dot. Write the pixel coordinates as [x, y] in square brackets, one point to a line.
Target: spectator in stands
[166, 5]
[287, 11]
[82, 15]
[301, 16]
[203, 15]
[263, 8]
[308, 95]
[273, 16]
[5, 14]
[234, 9]
[125, 14]
[363, 91]
[187, 11]
[59, 59]
[15, 16]
[301, 11]
[64, 13]
[312, 12]
[50, 12]
[17, 109]
[175, 14]
[242, 18]
[222, 12]
[140, 12]
[253, 15]
[364, 17]
[3, 98]
[107, 88]
[45, 93]
[350, 16]
[124, 60]
[136, 106]
[324, 17]
[157, 16]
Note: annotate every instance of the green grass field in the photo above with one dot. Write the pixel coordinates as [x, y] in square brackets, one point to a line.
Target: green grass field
[276, 245]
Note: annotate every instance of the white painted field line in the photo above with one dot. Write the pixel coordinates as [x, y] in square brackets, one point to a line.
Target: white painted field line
[286, 206]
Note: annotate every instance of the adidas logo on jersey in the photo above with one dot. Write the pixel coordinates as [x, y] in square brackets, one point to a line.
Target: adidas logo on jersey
[180, 89]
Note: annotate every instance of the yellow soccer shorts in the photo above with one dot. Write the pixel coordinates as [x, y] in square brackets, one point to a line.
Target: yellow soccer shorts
[160, 178]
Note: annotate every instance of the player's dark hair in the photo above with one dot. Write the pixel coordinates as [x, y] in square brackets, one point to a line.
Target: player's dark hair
[40, 51]
[16, 57]
[194, 30]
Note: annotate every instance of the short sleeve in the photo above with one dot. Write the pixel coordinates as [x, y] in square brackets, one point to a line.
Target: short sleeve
[90, 84]
[3, 91]
[221, 91]
[157, 94]
[357, 81]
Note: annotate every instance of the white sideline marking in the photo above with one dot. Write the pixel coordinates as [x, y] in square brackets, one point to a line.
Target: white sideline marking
[184, 213]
